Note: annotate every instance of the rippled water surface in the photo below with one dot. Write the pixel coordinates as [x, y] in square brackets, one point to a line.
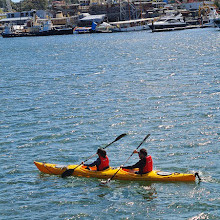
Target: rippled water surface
[62, 97]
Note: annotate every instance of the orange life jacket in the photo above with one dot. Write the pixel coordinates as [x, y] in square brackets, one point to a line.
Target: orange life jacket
[149, 165]
[104, 163]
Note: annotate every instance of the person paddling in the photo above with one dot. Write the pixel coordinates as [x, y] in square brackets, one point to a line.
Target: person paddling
[102, 163]
[145, 164]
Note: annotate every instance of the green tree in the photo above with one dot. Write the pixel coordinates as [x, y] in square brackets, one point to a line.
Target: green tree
[27, 5]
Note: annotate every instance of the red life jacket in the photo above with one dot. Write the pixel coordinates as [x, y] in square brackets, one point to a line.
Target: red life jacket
[149, 165]
[104, 163]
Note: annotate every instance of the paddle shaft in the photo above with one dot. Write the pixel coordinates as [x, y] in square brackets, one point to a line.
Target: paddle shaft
[119, 137]
[128, 158]
[69, 172]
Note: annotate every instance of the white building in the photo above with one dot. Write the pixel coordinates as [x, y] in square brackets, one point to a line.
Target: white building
[21, 17]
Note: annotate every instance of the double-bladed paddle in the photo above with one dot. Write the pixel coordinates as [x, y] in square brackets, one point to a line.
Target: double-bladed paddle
[69, 172]
[103, 183]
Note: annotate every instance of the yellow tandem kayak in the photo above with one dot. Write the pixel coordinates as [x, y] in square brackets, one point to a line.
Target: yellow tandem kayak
[123, 174]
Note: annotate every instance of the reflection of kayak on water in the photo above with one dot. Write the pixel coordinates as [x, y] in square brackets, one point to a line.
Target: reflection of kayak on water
[123, 174]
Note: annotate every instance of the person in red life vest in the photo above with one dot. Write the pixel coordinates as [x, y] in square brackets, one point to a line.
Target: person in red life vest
[102, 162]
[145, 164]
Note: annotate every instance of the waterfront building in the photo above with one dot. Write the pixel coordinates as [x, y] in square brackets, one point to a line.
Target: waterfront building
[3, 15]
[20, 18]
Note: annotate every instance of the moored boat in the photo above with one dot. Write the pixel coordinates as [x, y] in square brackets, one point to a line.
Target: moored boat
[63, 31]
[168, 22]
[104, 28]
[123, 174]
[46, 30]
[82, 30]
[130, 25]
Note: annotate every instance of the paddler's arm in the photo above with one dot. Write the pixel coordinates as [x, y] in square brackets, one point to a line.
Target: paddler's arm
[139, 164]
[95, 163]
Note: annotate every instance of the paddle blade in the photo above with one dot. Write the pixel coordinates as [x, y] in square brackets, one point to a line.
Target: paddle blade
[120, 136]
[105, 183]
[67, 173]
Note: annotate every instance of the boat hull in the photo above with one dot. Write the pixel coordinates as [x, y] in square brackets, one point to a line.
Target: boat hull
[83, 30]
[129, 29]
[161, 26]
[217, 22]
[123, 174]
[41, 33]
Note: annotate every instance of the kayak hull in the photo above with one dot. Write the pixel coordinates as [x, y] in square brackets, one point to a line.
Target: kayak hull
[123, 174]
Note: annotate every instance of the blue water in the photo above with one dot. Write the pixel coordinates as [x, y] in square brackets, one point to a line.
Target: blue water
[62, 97]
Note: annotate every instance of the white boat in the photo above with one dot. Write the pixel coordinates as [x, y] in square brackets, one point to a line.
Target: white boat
[214, 18]
[168, 22]
[213, 15]
[130, 25]
[207, 15]
[104, 28]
